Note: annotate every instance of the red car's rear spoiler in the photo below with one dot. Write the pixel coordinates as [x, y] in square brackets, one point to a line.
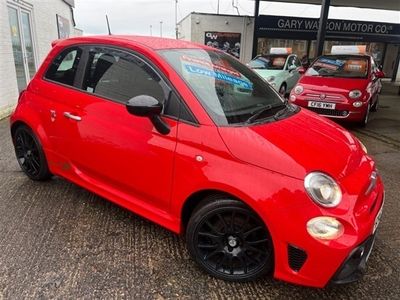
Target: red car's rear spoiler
[55, 42]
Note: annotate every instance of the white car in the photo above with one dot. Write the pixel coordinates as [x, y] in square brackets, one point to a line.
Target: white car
[280, 70]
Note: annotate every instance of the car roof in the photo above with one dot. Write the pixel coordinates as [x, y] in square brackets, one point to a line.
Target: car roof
[155, 43]
[347, 55]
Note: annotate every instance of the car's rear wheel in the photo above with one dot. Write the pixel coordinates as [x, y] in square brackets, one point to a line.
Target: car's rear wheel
[375, 107]
[30, 154]
[365, 120]
[229, 241]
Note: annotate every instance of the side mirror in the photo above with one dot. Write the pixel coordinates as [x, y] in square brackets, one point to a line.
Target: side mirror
[301, 70]
[144, 106]
[292, 68]
[148, 106]
[379, 74]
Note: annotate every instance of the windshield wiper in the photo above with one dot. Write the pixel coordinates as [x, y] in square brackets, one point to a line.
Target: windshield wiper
[262, 110]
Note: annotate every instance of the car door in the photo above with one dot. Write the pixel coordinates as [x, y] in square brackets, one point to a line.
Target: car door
[110, 148]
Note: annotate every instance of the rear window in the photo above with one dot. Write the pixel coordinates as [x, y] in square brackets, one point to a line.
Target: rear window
[339, 66]
[269, 62]
[64, 67]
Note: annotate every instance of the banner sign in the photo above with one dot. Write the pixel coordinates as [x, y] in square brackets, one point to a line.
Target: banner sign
[306, 28]
[225, 41]
[63, 27]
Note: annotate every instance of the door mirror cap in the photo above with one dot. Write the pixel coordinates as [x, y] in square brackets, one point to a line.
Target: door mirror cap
[144, 106]
[291, 68]
[379, 74]
[301, 70]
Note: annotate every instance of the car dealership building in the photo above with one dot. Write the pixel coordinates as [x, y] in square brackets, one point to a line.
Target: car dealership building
[225, 31]
[27, 28]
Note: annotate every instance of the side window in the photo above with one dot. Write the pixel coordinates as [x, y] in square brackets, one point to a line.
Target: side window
[120, 76]
[297, 61]
[290, 62]
[174, 108]
[64, 66]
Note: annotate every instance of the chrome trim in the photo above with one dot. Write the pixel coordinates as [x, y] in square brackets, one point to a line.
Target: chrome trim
[71, 116]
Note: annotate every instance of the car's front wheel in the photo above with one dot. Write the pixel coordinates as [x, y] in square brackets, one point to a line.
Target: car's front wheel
[229, 241]
[30, 154]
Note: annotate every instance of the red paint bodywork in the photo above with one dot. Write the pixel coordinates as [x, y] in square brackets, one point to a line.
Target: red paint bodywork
[124, 159]
[336, 90]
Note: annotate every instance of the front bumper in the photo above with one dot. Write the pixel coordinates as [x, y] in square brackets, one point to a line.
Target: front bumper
[343, 110]
[354, 266]
[303, 260]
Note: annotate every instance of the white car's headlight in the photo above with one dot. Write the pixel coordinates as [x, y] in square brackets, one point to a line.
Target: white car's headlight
[323, 189]
[298, 89]
[325, 228]
[354, 94]
[270, 78]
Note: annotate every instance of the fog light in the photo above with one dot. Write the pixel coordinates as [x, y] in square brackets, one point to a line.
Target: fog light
[325, 228]
[357, 104]
[292, 98]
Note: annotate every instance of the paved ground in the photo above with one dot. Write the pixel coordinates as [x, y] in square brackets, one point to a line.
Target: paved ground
[60, 241]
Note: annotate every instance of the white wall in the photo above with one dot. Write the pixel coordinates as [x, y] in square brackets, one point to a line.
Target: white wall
[200, 23]
[44, 26]
[185, 28]
[8, 82]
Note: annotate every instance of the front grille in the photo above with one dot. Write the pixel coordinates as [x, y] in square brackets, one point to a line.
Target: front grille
[297, 257]
[329, 112]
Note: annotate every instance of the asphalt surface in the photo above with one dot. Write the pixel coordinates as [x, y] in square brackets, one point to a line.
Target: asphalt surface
[58, 240]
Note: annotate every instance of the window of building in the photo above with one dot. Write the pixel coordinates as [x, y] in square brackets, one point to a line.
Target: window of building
[64, 67]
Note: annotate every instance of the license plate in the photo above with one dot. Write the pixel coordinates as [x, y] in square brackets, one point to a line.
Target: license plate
[325, 105]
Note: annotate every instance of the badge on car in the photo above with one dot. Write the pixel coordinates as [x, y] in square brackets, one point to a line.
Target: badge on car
[321, 105]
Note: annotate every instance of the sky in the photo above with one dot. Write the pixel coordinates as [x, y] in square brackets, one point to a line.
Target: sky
[143, 17]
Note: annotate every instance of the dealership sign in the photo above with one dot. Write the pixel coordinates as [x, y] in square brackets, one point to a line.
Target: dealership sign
[225, 41]
[306, 28]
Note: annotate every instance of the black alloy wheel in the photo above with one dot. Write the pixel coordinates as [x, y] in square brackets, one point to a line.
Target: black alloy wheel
[365, 120]
[229, 241]
[30, 154]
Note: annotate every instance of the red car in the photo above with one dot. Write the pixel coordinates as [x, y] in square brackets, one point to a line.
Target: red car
[340, 86]
[190, 138]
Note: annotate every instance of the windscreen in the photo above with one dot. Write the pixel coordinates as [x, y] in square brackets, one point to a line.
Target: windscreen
[339, 66]
[268, 62]
[230, 92]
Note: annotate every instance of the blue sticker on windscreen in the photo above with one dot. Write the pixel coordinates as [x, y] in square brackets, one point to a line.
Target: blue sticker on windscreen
[334, 62]
[219, 75]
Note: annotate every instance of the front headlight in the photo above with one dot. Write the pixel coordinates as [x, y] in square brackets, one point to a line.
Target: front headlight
[270, 78]
[298, 89]
[354, 94]
[325, 228]
[323, 189]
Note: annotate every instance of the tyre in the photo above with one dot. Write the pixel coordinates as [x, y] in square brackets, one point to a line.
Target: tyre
[30, 155]
[365, 120]
[375, 107]
[282, 90]
[229, 241]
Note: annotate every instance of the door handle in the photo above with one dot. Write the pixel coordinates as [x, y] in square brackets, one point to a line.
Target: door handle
[71, 116]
